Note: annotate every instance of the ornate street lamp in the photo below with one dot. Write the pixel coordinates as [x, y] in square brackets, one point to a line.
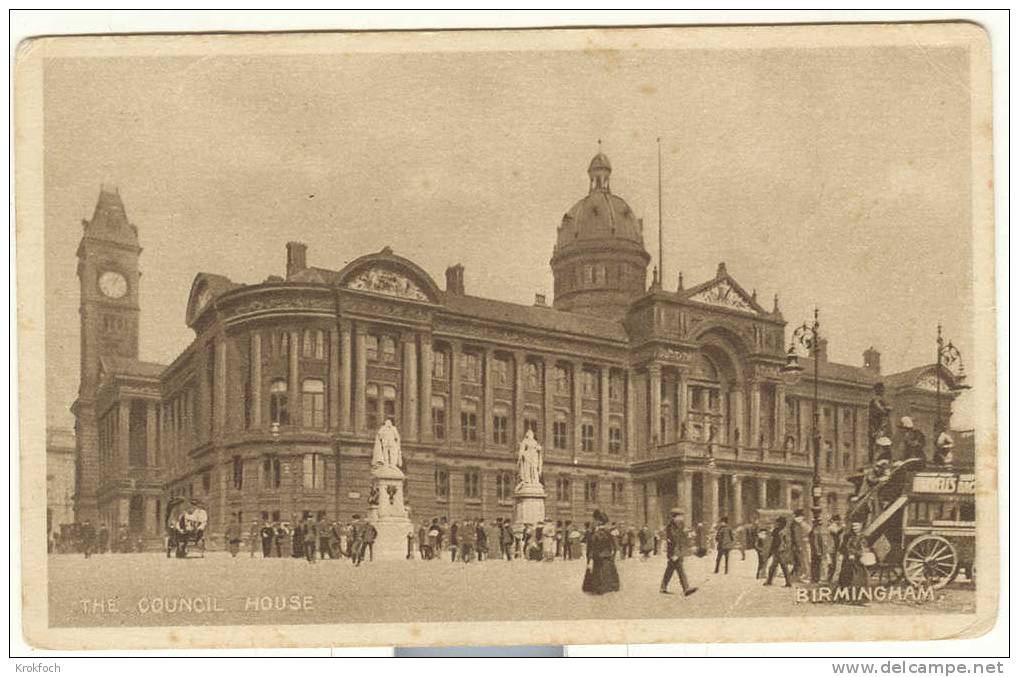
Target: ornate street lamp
[808, 337]
[950, 358]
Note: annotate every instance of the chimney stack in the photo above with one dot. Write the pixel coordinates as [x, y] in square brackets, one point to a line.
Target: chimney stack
[872, 360]
[821, 352]
[455, 279]
[297, 257]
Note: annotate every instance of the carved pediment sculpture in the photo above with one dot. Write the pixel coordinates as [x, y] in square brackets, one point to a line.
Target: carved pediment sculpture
[725, 295]
[387, 282]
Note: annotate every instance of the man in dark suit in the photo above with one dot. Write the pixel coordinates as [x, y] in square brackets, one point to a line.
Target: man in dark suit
[88, 538]
[268, 535]
[356, 545]
[322, 531]
[781, 552]
[724, 540]
[677, 544]
[368, 534]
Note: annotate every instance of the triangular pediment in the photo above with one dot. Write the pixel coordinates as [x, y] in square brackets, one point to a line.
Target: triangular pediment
[725, 293]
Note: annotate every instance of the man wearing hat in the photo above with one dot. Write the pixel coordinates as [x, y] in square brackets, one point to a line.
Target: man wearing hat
[913, 441]
[676, 545]
[943, 449]
[884, 448]
[879, 413]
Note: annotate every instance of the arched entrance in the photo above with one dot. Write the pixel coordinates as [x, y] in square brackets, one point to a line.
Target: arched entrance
[716, 390]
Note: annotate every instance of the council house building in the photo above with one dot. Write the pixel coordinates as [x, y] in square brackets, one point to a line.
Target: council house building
[643, 397]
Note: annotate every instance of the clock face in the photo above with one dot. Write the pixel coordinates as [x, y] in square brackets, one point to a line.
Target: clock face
[113, 285]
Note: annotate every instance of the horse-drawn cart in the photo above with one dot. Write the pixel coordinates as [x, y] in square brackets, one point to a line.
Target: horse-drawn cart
[186, 522]
[921, 524]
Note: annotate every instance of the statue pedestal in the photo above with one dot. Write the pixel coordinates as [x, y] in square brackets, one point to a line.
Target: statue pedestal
[390, 515]
[530, 505]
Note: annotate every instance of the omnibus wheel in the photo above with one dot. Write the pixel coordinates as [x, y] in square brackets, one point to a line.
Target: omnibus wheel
[930, 560]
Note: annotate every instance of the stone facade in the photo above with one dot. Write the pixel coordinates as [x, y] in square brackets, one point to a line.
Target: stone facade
[643, 398]
[60, 454]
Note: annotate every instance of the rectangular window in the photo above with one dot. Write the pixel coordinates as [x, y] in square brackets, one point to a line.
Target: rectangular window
[439, 417]
[441, 483]
[615, 387]
[532, 377]
[591, 491]
[617, 493]
[472, 484]
[389, 403]
[439, 365]
[562, 490]
[238, 472]
[500, 373]
[314, 471]
[504, 486]
[320, 344]
[469, 421]
[587, 436]
[562, 381]
[470, 368]
[371, 348]
[206, 482]
[279, 411]
[388, 349]
[313, 403]
[589, 384]
[531, 423]
[371, 406]
[500, 421]
[308, 344]
[615, 439]
[559, 432]
[271, 472]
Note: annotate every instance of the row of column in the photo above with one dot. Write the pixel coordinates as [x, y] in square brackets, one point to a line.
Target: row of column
[711, 490]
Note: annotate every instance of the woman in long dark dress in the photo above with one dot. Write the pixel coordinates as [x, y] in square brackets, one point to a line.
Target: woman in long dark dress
[601, 575]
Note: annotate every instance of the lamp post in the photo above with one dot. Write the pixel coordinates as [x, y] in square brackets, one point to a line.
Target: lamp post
[948, 357]
[808, 337]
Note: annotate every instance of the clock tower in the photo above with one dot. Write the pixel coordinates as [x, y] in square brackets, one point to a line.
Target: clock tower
[108, 281]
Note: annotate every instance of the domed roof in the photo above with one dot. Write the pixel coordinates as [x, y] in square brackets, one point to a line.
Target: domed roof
[600, 215]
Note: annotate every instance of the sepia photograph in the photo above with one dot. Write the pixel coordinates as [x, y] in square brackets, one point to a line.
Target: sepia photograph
[553, 336]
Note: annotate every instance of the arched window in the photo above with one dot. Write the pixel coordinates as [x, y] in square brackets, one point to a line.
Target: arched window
[313, 403]
[279, 410]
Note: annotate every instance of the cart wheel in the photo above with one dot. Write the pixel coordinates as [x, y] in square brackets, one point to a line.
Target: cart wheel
[930, 560]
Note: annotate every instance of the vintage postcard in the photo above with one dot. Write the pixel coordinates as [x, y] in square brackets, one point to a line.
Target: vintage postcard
[503, 337]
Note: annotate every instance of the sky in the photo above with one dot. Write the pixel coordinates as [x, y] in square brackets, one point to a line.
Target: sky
[831, 176]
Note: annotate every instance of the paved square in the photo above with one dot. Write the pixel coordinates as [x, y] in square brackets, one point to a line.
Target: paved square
[149, 589]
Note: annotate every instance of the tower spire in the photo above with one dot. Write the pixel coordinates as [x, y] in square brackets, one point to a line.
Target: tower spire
[661, 248]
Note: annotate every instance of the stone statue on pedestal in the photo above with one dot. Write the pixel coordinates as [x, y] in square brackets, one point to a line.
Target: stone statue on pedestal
[386, 452]
[529, 461]
[529, 496]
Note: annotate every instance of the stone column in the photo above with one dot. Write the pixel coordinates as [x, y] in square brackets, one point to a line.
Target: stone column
[603, 411]
[631, 429]
[547, 390]
[346, 375]
[219, 415]
[425, 387]
[488, 395]
[684, 493]
[655, 401]
[151, 433]
[149, 524]
[785, 494]
[779, 416]
[861, 442]
[652, 508]
[255, 385]
[710, 498]
[294, 379]
[334, 380]
[123, 435]
[519, 361]
[805, 423]
[738, 421]
[681, 404]
[736, 490]
[578, 405]
[755, 416]
[410, 387]
[453, 424]
[360, 379]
